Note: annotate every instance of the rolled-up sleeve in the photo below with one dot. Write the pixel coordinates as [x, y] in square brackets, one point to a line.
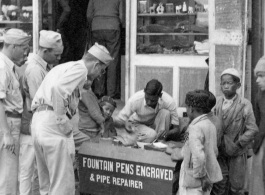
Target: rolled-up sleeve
[196, 140]
[126, 112]
[172, 107]
[3, 81]
[65, 86]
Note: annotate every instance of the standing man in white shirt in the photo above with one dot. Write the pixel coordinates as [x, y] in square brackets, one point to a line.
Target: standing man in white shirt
[15, 50]
[148, 114]
[49, 54]
[53, 105]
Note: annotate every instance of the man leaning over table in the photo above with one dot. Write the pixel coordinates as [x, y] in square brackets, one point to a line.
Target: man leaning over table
[14, 52]
[54, 104]
[49, 54]
[147, 115]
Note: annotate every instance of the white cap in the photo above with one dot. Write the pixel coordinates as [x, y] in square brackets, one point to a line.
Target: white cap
[16, 36]
[101, 53]
[231, 71]
[51, 39]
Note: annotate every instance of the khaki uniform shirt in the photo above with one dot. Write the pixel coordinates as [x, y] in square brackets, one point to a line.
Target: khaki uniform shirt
[61, 88]
[9, 86]
[34, 74]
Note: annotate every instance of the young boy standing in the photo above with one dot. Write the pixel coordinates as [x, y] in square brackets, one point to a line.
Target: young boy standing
[257, 181]
[239, 130]
[199, 169]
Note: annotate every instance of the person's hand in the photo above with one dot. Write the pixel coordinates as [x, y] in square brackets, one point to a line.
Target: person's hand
[9, 142]
[65, 125]
[129, 126]
[101, 133]
[206, 184]
[141, 136]
[169, 150]
[257, 142]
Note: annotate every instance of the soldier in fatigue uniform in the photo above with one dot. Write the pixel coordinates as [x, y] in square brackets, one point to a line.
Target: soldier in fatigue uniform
[54, 105]
[49, 54]
[14, 52]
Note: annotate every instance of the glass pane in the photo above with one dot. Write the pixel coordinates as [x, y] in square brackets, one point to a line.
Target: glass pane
[48, 15]
[172, 27]
[16, 14]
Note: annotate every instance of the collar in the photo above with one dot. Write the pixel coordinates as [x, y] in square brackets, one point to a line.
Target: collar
[210, 114]
[82, 62]
[198, 118]
[157, 106]
[40, 61]
[8, 62]
[231, 100]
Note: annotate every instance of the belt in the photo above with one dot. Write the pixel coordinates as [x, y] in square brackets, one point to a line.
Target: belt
[13, 114]
[44, 108]
[47, 107]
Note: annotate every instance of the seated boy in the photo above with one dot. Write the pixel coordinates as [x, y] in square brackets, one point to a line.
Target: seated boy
[108, 106]
[95, 117]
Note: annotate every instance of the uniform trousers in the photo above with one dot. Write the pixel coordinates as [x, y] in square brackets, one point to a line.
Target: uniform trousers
[28, 174]
[147, 133]
[9, 160]
[112, 41]
[55, 152]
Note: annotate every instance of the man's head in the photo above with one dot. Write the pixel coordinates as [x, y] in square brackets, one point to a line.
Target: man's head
[153, 91]
[96, 60]
[16, 45]
[51, 46]
[260, 73]
[198, 103]
[108, 106]
[230, 82]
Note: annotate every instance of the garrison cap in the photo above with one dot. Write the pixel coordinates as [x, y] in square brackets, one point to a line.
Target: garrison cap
[101, 53]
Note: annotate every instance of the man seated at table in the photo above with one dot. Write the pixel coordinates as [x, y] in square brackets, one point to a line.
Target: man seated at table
[147, 115]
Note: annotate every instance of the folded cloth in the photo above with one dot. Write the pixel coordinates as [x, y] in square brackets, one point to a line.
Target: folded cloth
[202, 47]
